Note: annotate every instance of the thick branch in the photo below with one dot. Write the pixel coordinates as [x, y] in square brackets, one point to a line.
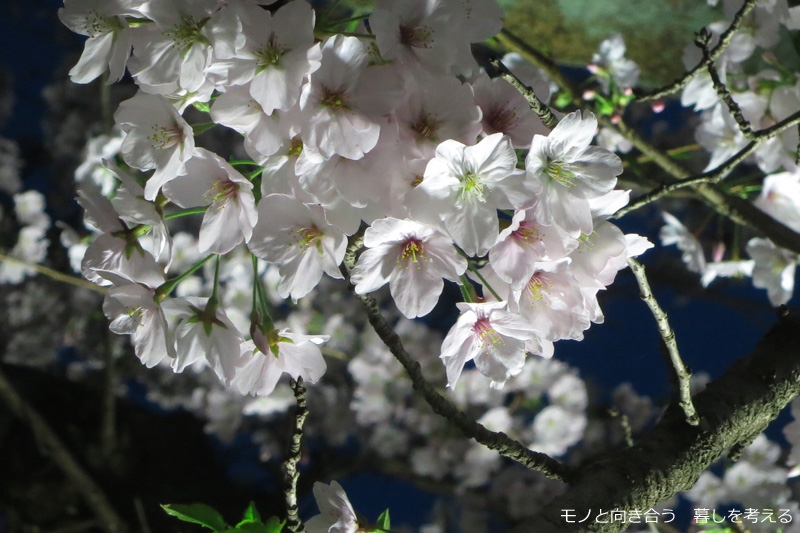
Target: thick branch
[50, 445]
[724, 41]
[682, 373]
[291, 474]
[733, 410]
[498, 441]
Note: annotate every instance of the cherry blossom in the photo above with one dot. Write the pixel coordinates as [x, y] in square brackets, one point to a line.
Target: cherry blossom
[491, 336]
[412, 258]
[275, 354]
[571, 172]
[298, 237]
[464, 186]
[336, 512]
[231, 214]
[156, 137]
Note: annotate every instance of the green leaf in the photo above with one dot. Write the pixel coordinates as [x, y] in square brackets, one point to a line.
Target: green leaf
[275, 525]
[197, 513]
[250, 515]
[383, 521]
[202, 106]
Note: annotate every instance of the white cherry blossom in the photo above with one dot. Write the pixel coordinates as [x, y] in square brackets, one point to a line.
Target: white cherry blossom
[491, 336]
[412, 258]
[156, 137]
[464, 186]
[231, 213]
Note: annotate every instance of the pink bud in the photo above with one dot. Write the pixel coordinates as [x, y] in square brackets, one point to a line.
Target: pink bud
[589, 94]
[591, 67]
[628, 91]
[718, 251]
[769, 57]
[615, 118]
[658, 106]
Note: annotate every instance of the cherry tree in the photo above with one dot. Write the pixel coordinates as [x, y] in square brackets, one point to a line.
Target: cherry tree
[372, 148]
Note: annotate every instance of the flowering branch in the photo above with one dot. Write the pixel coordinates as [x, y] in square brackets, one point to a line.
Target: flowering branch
[50, 445]
[498, 441]
[719, 173]
[682, 372]
[738, 210]
[724, 41]
[669, 458]
[539, 107]
[702, 41]
[291, 475]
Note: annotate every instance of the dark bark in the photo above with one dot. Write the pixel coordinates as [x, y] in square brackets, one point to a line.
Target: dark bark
[733, 410]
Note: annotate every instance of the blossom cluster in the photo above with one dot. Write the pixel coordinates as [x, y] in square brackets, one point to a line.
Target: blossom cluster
[379, 128]
[764, 98]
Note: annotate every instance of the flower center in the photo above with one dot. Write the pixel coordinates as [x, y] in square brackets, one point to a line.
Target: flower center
[416, 36]
[96, 24]
[187, 33]
[333, 99]
[414, 251]
[499, 120]
[528, 232]
[270, 54]
[472, 188]
[563, 173]
[308, 237]
[296, 148]
[538, 288]
[426, 128]
[162, 137]
[486, 334]
[222, 192]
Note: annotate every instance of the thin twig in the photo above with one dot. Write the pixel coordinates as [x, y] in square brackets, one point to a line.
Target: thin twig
[718, 174]
[55, 274]
[50, 445]
[498, 441]
[682, 372]
[724, 41]
[539, 107]
[702, 41]
[290, 472]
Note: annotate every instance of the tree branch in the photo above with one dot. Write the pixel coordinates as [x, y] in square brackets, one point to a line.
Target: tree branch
[538, 107]
[724, 41]
[682, 372]
[733, 409]
[51, 446]
[498, 441]
[703, 38]
[291, 474]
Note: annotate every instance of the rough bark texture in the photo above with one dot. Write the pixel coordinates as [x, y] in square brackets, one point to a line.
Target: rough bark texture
[733, 410]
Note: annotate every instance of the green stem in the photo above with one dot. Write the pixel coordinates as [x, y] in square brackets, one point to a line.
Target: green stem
[168, 286]
[467, 289]
[213, 302]
[484, 282]
[352, 19]
[267, 325]
[194, 211]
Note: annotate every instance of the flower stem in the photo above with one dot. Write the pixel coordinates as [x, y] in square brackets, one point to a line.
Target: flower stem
[168, 286]
[484, 282]
[195, 211]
